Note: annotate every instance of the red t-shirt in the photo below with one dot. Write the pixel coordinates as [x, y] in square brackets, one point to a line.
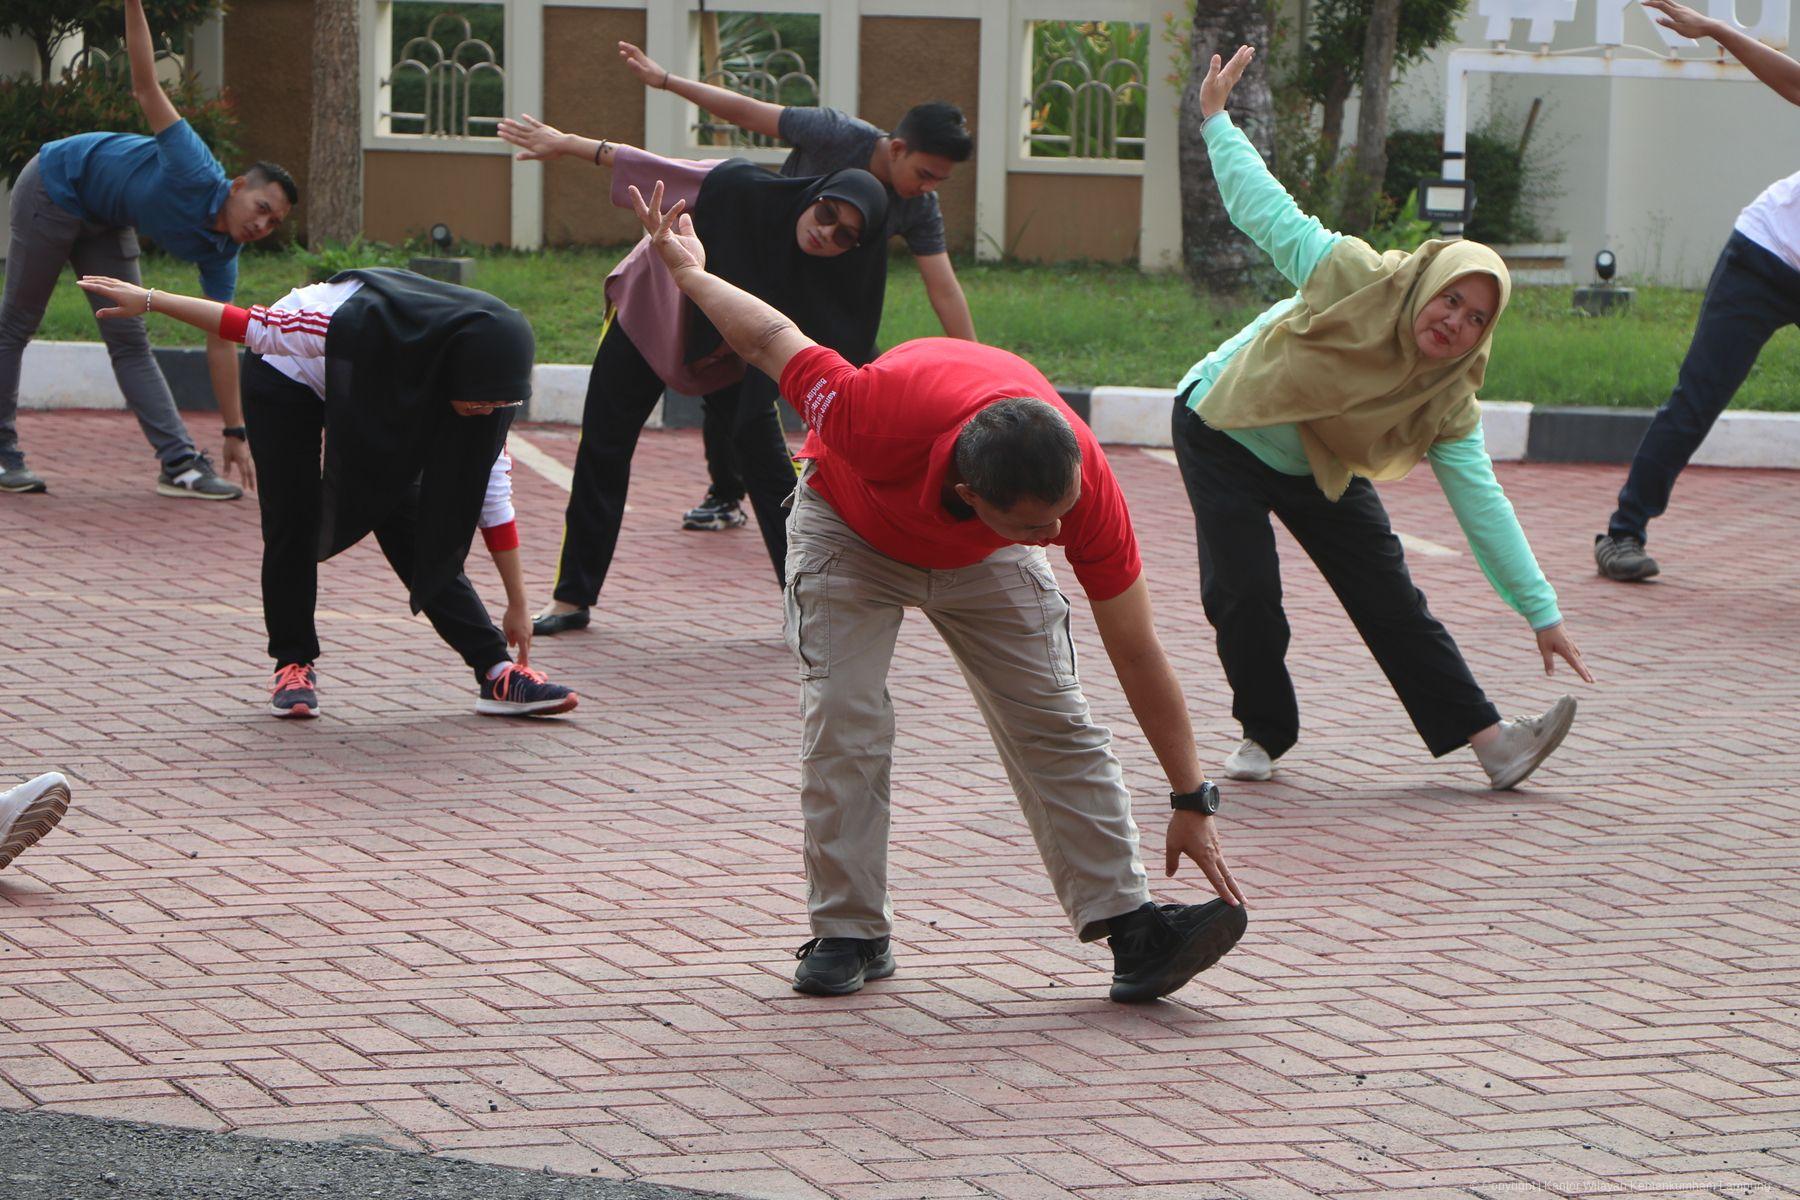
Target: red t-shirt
[882, 438]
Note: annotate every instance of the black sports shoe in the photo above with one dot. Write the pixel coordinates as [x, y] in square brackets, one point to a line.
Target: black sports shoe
[21, 479]
[522, 692]
[193, 478]
[294, 691]
[839, 966]
[1156, 950]
[1623, 558]
[714, 512]
[549, 624]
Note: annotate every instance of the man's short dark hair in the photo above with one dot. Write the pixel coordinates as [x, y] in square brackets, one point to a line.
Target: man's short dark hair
[936, 128]
[263, 171]
[1018, 448]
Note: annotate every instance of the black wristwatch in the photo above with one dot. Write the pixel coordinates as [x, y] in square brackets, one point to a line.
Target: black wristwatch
[236, 431]
[1204, 799]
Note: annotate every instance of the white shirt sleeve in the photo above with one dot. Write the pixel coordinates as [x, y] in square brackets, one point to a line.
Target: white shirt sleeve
[497, 508]
[287, 332]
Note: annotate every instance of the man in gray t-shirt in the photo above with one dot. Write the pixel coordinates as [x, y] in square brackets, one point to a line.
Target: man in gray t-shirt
[912, 161]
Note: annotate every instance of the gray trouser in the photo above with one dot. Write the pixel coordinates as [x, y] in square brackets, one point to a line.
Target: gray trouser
[1007, 625]
[45, 237]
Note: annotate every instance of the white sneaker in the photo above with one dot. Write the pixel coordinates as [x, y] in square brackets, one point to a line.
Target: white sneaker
[1524, 743]
[1249, 761]
[30, 811]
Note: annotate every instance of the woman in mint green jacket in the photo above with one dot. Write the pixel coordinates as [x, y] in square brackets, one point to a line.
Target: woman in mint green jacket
[1370, 369]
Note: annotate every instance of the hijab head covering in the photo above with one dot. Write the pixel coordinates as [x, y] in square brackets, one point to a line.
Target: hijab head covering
[746, 216]
[1343, 365]
[397, 353]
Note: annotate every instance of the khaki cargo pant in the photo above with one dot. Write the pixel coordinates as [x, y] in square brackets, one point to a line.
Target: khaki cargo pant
[1007, 625]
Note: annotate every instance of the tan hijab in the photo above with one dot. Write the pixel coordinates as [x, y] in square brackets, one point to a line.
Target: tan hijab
[1343, 364]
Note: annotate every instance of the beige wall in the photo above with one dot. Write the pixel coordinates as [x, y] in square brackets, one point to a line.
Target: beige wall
[1050, 218]
[587, 91]
[406, 191]
[267, 57]
[910, 60]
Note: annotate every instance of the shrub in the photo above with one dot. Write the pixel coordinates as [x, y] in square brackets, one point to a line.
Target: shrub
[1496, 168]
[32, 113]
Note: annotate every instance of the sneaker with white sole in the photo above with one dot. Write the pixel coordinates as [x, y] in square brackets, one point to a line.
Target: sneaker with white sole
[522, 692]
[193, 478]
[293, 693]
[29, 811]
[1524, 743]
[21, 480]
[714, 513]
[1249, 761]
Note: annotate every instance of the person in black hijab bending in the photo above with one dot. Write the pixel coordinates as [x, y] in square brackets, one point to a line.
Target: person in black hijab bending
[419, 381]
[813, 248]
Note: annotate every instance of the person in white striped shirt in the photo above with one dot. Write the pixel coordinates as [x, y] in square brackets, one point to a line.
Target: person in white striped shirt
[297, 374]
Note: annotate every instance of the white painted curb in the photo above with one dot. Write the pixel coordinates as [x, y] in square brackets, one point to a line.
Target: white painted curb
[79, 375]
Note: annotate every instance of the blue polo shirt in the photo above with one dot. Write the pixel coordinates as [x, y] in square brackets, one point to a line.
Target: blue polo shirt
[168, 187]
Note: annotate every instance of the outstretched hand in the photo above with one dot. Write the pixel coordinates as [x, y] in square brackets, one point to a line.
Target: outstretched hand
[1554, 643]
[1195, 835]
[537, 142]
[1215, 89]
[1680, 18]
[128, 299]
[671, 233]
[648, 71]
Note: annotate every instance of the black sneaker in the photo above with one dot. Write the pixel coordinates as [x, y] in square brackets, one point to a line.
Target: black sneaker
[839, 966]
[20, 479]
[294, 691]
[193, 478]
[1623, 558]
[522, 692]
[714, 512]
[1156, 950]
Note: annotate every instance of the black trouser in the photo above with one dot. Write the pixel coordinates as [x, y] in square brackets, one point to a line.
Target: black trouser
[718, 417]
[286, 422]
[622, 391]
[1752, 294]
[1351, 540]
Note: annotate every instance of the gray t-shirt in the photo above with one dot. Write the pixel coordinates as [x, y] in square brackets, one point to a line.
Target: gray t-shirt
[826, 140]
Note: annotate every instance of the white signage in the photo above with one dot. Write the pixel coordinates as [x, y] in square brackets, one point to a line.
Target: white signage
[1770, 26]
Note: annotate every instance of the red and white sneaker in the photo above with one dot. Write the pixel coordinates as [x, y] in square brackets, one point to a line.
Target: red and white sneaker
[294, 691]
[522, 692]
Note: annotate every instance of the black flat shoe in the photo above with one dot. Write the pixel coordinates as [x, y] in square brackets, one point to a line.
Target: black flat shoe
[551, 624]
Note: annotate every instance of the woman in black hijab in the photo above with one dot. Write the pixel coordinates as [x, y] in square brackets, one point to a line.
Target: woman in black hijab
[813, 248]
[412, 384]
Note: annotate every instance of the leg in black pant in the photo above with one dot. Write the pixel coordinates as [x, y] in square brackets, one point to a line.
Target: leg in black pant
[622, 392]
[1752, 294]
[286, 423]
[1353, 543]
[718, 433]
[1240, 578]
[456, 612]
[766, 464]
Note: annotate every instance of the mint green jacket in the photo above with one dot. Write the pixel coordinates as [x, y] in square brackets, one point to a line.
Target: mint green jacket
[1297, 243]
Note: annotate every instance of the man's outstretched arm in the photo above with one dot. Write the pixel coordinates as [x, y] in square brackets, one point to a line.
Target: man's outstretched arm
[758, 333]
[159, 110]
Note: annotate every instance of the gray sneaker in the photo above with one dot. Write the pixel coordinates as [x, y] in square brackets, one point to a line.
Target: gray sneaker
[193, 478]
[1524, 743]
[1623, 558]
[21, 479]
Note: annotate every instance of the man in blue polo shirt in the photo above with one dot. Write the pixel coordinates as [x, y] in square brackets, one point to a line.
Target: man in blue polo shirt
[82, 201]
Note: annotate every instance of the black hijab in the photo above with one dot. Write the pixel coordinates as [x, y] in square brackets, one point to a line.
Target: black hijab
[396, 354]
[745, 217]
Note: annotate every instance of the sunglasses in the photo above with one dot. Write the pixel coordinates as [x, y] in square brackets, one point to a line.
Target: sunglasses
[826, 214]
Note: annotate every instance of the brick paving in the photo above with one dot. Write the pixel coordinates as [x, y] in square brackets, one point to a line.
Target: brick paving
[568, 944]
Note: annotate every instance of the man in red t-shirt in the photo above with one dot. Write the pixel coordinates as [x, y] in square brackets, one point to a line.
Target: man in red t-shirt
[937, 475]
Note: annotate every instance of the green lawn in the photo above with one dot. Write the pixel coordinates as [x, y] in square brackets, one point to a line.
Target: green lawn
[1088, 325]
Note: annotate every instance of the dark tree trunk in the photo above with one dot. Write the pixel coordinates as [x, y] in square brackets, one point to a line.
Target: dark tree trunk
[1331, 123]
[334, 193]
[1372, 117]
[1215, 255]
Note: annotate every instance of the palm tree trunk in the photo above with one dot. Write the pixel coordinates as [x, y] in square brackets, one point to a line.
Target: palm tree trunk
[334, 193]
[1216, 256]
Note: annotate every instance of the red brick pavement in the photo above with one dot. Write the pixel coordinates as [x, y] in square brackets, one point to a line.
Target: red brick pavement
[568, 944]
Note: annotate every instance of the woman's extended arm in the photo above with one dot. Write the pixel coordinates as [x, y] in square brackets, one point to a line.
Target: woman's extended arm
[538, 142]
[130, 300]
[1254, 198]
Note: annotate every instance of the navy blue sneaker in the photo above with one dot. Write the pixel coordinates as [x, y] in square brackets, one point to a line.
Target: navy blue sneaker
[838, 966]
[522, 692]
[294, 691]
